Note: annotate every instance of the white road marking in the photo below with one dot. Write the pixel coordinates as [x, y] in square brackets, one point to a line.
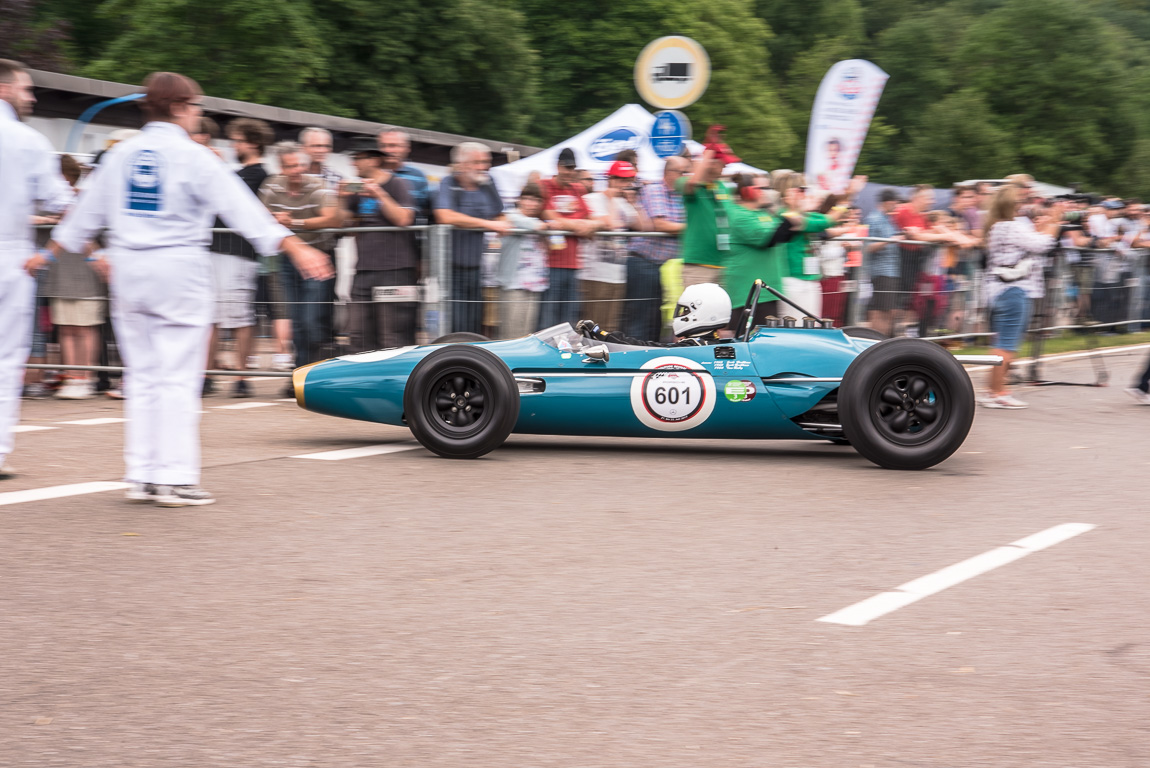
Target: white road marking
[873, 607]
[356, 453]
[241, 406]
[30, 428]
[1066, 356]
[93, 422]
[286, 400]
[58, 492]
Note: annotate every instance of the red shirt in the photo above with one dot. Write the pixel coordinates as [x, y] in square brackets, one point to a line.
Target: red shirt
[567, 201]
[905, 216]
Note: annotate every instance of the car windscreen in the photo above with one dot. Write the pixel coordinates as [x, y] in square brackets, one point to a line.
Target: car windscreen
[562, 337]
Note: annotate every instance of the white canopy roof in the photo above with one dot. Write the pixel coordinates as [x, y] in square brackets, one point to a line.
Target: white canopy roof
[595, 149]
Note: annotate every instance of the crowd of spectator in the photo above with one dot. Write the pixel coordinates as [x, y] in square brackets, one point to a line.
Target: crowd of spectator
[561, 251]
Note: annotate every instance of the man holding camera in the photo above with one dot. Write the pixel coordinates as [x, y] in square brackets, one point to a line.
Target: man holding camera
[603, 278]
[379, 198]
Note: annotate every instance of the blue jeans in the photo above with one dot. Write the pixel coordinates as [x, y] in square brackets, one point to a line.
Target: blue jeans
[1008, 318]
[310, 308]
[560, 301]
[642, 314]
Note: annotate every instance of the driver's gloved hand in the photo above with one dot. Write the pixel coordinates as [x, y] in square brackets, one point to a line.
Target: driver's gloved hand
[586, 327]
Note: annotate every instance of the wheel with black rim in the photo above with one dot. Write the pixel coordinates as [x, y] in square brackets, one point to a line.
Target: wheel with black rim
[861, 332]
[906, 404]
[461, 402]
[460, 337]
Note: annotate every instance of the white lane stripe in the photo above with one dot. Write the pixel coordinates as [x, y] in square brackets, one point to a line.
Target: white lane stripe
[93, 422]
[240, 406]
[357, 453]
[1066, 356]
[30, 428]
[57, 492]
[879, 605]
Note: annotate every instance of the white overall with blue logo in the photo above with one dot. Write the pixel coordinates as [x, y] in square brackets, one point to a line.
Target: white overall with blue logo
[157, 195]
[30, 182]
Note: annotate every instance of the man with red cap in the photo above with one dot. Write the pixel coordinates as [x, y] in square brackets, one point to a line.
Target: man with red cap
[603, 279]
[706, 241]
[564, 209]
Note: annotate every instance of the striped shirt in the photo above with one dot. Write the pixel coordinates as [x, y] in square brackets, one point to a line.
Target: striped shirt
[660, 202]
[308, 203]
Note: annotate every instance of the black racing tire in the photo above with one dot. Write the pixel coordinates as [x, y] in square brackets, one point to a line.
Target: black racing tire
[485, 411]
[906, 404]
[859, 332]
[460, 337]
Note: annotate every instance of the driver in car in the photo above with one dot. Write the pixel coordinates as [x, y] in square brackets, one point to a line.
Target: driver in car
[702, 310]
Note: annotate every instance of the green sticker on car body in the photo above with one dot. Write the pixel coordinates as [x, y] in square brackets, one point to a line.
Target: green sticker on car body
[740, 391]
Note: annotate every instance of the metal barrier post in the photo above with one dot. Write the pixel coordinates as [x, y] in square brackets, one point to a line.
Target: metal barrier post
[440, 268]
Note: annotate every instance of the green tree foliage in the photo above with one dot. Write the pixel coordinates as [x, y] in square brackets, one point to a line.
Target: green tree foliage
[1058, 88]
[267, 51]
[462, 66]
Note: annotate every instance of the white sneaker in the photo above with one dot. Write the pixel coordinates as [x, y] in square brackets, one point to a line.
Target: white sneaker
[182, 496]
[75, 389]
[982, 397]
[1009, 402]
[253, 362]
[1140, 397]
[281, 362]
[140, 492]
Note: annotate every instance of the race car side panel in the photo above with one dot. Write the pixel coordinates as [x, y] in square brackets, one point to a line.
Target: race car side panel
[688, 392]
[718, 391]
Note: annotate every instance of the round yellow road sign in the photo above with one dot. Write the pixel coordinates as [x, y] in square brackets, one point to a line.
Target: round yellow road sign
[672, 72]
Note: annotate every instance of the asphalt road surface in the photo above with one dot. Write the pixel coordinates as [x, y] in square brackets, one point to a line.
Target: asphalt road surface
[583, 601]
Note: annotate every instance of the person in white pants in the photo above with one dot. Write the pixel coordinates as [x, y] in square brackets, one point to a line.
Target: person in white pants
[30, 180]
[156, 195]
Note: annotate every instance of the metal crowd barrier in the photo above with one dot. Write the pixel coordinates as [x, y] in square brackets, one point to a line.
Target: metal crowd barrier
[918, 288]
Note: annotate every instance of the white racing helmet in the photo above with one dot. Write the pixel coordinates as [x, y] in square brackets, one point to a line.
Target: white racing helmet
[702, 308]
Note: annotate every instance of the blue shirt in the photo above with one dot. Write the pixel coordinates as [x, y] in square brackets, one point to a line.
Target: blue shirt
[885, 261]
[419, 190]
[482, 203]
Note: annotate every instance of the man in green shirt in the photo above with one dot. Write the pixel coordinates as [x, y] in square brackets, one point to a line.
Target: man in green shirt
[706, 241]
[754, 234]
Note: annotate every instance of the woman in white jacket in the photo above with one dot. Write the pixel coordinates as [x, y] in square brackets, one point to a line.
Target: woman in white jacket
[156, 195]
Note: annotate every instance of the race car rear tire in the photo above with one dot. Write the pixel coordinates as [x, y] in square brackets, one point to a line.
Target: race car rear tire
[906, 404]
[460, 337]
[861, 332]
[461, 402]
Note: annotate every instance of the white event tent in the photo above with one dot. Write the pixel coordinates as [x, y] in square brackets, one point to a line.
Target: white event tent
[628, 127]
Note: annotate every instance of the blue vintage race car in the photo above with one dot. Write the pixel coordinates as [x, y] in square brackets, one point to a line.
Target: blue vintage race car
[902, 403]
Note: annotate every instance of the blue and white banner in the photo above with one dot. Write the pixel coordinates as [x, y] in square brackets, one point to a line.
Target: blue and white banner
[840, 119]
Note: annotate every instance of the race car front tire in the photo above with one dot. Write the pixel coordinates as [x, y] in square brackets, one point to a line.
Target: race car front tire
[862, 332]
[460, 337]
[461, 402]
[906, 404]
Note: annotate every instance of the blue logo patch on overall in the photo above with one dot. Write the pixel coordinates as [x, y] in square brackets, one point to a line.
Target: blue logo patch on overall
[145, 184]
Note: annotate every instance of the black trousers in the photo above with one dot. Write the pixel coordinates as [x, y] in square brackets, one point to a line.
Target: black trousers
[381, 325]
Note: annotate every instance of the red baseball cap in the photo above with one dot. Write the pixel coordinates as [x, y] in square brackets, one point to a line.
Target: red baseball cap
[714, 142]
[621, 169]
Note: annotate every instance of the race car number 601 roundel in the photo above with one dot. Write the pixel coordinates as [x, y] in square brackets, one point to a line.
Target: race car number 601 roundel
[674, 395]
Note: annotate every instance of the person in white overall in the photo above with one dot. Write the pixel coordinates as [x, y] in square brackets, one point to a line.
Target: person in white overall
[156, 195]
[30, 182]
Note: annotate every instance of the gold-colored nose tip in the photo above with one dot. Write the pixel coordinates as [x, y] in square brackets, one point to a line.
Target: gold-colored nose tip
[298, 377]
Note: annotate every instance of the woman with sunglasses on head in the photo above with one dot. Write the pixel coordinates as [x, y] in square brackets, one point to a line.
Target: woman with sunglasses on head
[157, 195]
